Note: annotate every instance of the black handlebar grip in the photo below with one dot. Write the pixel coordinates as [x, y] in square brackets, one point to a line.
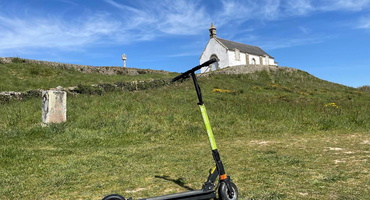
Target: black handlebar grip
[186, 74]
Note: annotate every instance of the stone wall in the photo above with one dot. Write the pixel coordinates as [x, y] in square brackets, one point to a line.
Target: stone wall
[11, 95]
[247, 69]
[83, 68]
[96, 89]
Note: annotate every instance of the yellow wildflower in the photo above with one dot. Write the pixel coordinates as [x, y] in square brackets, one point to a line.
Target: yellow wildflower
[334, 105]
[222, 91]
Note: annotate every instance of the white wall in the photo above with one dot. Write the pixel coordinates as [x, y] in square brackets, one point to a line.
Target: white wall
[213, 47]
[272, 61]
[233, 62]
[256, 58]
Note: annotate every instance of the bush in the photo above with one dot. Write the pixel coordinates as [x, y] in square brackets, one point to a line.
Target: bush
[39, 71]
[364, 88]
[106, 87]
[18, 60]
[31, 93]
[4, 98]
[87, 89]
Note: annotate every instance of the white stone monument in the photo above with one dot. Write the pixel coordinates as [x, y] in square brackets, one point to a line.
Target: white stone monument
[54, 106]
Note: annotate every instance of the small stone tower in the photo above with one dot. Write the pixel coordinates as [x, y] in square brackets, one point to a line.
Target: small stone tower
[212, 31]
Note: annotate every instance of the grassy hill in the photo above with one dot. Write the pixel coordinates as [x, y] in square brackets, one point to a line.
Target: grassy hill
[282, 135]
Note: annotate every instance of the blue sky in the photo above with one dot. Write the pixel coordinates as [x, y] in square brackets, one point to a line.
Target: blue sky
[327, 38]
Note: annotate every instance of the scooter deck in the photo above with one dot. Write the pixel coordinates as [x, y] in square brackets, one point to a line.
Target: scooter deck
[191, 195]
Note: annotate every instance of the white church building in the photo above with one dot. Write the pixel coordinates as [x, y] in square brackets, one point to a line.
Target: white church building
[229, 53]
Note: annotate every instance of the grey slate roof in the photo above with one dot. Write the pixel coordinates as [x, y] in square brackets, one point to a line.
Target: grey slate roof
[242, 47]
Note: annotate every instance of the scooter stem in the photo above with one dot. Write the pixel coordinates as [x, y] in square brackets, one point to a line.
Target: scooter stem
[208, 127]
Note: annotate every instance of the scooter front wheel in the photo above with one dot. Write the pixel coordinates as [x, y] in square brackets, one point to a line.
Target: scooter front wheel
[223, 192]
[114, 197]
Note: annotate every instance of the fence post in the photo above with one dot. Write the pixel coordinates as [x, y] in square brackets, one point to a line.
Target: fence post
[54, 106]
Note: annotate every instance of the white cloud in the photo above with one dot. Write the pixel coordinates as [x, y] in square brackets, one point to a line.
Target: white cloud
[270, 9]
[245, 10]
[239, 11]
[350, 5]
[236, 10]
[289, 42]
[364, 22]
[54, 32]
[181, 17]
[298, 7]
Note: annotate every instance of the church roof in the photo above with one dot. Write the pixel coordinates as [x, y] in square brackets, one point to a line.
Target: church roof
[242, 47]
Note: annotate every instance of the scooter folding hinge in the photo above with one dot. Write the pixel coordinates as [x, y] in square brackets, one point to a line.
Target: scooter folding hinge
[208, 186]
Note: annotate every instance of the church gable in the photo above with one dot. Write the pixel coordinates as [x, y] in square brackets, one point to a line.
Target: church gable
[215, 50]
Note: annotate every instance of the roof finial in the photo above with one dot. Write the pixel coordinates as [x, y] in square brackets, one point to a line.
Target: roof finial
[212, 31]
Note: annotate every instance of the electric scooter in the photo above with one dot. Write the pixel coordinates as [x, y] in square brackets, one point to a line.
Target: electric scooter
[225, 188]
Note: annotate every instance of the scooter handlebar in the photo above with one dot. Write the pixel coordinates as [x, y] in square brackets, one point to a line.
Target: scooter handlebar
[187, 73]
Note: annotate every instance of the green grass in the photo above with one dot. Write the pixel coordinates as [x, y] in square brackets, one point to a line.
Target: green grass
[19, 76]
[278, 135]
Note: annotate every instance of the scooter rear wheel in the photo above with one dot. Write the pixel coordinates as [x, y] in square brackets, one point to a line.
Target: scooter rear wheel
[223, 192]
[114, 197]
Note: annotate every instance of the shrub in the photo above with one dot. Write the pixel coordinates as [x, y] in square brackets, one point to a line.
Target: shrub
[364, 88]
[106, 87]
[18, 60]
[31, 93]
[88, 89]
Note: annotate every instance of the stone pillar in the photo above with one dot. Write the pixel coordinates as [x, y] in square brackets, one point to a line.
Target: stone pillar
[54, 106]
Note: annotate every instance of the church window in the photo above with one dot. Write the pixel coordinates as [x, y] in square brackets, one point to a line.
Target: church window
[253, 61]
[237, 55]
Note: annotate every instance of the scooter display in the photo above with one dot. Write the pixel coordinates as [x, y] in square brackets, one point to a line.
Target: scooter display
[218, 184]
